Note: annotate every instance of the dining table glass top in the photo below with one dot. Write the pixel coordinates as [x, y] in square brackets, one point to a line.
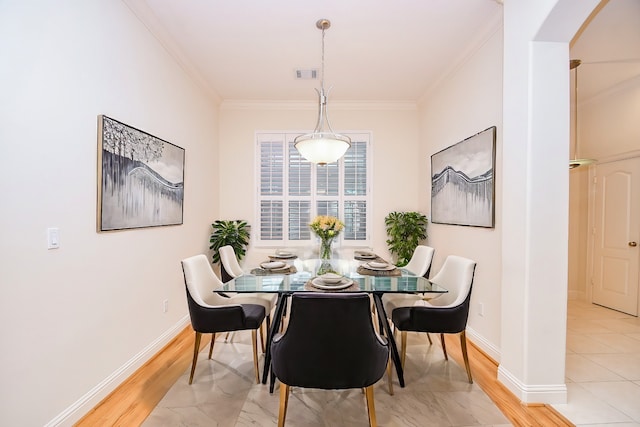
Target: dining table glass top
[305, 278]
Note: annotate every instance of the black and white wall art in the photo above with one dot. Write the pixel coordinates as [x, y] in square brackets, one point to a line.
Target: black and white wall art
[140, 178]
[462, 182]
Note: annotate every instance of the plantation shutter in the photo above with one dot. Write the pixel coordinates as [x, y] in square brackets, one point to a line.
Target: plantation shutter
[292, 191]
[355, 191]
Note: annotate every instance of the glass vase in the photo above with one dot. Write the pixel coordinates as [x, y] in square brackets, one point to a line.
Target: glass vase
[325, 247]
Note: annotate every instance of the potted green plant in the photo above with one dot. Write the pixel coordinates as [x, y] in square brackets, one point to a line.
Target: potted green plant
[405, 231]
[235, 233]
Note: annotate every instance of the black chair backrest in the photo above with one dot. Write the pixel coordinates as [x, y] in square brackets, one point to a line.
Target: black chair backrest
[330, 343]
[450, 320]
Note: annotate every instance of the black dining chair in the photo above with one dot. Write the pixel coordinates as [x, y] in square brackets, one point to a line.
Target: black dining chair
[444, 314]
[330, 343]
[212, 313]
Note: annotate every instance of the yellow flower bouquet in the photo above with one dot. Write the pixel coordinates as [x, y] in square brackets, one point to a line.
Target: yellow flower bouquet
[326, 228]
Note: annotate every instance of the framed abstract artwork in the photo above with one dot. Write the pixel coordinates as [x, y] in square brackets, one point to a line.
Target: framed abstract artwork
[462, 182]
[140, 178]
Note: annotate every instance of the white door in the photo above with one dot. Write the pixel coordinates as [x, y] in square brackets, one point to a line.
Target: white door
[617, 235]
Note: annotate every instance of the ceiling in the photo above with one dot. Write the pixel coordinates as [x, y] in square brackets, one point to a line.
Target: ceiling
[375, 50]
[609, 48]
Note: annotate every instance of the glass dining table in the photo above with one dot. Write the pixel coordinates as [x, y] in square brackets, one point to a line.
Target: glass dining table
[358, 276]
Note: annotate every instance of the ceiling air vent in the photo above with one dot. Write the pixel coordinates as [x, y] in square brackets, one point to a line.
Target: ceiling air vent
[307, 74]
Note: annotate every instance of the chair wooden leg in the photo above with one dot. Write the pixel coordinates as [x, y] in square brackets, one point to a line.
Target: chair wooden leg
[403, 347]
[254, 340]
[262, 336]
[390, 376]
[371, 407]
[284, 401]
[213, 340]
[463, 346]
[444, 347]
[196, 347]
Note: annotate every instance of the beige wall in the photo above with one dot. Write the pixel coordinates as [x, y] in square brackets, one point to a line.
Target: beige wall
[469, 101]
[78, 320]
[394, 128]
[609, 122]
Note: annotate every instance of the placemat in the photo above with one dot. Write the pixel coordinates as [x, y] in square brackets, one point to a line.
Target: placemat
[264, 272]
[358, 255]
[367, 272]
[280, 258]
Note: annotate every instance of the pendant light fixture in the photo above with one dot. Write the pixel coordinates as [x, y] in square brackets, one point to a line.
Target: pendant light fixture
[322, 146]
[576, 162]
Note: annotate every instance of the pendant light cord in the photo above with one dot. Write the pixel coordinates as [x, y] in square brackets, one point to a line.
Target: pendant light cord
[322, 61]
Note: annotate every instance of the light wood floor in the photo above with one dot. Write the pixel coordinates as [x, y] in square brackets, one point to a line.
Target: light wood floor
[134, 399]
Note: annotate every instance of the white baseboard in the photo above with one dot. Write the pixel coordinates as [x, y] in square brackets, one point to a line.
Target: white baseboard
[541, 393]
[87, 402]
[482, 343]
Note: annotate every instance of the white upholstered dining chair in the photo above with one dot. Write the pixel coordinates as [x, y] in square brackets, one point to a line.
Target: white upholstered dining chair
[230, 269]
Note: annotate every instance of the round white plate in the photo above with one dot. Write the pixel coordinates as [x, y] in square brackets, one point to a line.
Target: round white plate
[387, 267]
[284, 255]
[344, 283]
[367, 256]
[274, 265]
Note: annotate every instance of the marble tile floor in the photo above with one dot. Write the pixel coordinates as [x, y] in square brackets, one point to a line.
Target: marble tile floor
[224, 394]
[602, 367]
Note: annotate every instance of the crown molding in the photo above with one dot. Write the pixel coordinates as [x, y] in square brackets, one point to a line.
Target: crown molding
[484, 34]
[149, 19]
[309, 105]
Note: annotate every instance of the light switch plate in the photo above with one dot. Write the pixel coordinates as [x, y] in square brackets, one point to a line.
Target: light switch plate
[53, 238]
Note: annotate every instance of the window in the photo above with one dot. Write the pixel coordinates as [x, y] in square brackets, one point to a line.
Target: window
[292, 191]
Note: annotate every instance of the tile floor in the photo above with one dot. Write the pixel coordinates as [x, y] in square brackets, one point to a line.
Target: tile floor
[603, 367]
[223, 393]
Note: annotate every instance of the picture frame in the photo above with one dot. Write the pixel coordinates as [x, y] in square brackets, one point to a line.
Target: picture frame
[463, 182]
[140, 178]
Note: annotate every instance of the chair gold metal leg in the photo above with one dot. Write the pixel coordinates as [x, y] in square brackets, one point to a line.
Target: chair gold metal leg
[196, 347]
[254, 340]
[371, 407]
[213, 340]
[403, 347]
[463, 346]
[444, 347]
[262, 336]
[390, 377]
[284, 401]
[429, 338]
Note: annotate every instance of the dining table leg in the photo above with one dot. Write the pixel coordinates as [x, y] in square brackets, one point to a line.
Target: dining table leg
[382, 317]
[275, 327]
